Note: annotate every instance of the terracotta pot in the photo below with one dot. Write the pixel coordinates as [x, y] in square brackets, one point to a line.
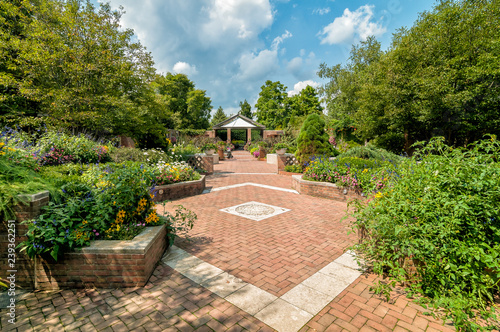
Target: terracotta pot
[220, 152]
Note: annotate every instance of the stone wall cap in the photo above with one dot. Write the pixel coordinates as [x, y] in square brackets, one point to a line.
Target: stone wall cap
[138, 245]
[34, 197]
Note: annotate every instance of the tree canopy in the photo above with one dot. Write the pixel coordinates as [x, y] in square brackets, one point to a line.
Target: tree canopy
[73, 64]
[440, 77]
[190, 106]
[275, 108]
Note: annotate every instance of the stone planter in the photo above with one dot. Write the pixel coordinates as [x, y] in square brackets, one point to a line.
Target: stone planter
[281, 151]
[324, 189]
[209, 152]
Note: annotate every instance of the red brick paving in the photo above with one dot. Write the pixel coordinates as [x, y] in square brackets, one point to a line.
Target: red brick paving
[274, 254]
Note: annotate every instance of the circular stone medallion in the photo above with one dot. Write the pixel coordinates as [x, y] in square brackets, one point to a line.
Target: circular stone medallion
[255, 210]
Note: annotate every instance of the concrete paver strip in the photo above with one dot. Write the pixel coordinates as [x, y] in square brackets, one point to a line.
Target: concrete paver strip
[283, 316]
[251, 299]
[223, 284]
[287, 313]
[307, 298]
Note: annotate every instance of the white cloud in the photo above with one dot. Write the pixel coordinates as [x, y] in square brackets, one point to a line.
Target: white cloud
[301, 86]
[302, 68]
[278, 40]
[321, 11]
[242, 19]
[351, 25]
[184, 68]
[254, 67]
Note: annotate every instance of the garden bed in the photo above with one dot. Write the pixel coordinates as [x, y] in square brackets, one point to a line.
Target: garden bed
[179, 190]
[324, 189]
[105, 263]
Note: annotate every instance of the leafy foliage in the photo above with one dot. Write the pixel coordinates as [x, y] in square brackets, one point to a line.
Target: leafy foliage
[312, 140]
[190, 107]
[440, 217]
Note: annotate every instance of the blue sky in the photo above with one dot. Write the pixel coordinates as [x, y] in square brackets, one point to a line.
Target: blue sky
[231, 47]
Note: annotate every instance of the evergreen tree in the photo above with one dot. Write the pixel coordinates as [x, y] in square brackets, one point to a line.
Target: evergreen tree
[313, 139]
[219, 116]
[246, 109]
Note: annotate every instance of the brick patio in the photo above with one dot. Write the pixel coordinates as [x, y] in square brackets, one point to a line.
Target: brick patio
[274, 255]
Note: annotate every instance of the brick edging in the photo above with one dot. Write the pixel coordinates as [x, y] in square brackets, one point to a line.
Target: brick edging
[324, 189]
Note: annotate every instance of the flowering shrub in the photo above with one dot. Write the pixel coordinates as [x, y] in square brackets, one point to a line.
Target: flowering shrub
[55, 156]
[80, 148]
[175, 172]
[256, 153]
[367, 175]
[442, 216]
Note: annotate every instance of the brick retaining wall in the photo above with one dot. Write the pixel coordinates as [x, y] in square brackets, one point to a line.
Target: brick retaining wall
[24, 265]
[179, 190]
[105, 263]
[324, 189]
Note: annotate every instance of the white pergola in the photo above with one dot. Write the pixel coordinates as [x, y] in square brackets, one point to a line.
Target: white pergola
[239, 121]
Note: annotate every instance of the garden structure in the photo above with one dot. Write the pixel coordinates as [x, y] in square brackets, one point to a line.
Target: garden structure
[260, 257]
[240, 122]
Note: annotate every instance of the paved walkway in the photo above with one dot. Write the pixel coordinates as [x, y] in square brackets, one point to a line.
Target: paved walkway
[243, 269]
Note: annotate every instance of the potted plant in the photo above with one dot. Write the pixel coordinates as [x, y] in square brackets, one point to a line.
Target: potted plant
[221, 146]
[280, 148]
[209, 148]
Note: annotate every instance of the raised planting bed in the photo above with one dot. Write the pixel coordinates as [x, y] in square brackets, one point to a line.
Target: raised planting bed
[288, 173]
[179, 190]
[105, 263]
[324, 189]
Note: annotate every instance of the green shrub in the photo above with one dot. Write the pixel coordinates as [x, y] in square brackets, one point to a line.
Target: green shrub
[238, 143]
[312, 140]
[345, 146]
[293, 168]
[371, 152]
[442, 214]
[15, 179]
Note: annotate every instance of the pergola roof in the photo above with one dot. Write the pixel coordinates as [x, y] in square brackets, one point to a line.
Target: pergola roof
[239, 121]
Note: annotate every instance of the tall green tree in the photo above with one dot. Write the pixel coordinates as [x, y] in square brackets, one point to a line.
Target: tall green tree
[76, 63]
[271, 106]
[305, 103]
[246, 109]
[190, 106]
[219, 116]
